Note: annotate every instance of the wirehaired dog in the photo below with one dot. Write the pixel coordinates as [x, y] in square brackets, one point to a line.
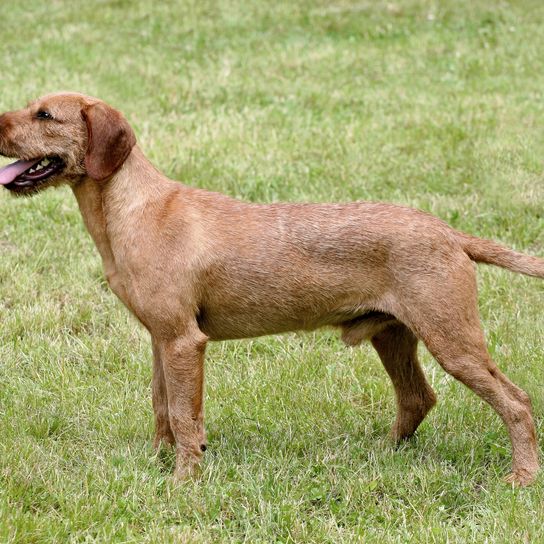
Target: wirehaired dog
[194, 266]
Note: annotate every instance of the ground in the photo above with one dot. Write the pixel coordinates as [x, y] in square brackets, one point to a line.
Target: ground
[438, 105]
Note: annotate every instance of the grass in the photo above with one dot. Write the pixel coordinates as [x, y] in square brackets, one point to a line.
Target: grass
[438, 105]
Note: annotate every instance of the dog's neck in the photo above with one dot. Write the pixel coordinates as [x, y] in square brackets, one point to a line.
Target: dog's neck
[107, 205]
[135, 184]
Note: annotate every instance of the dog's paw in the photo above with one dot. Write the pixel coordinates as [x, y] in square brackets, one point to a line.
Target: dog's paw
[187, 463]
[185, 472]
[520, 477]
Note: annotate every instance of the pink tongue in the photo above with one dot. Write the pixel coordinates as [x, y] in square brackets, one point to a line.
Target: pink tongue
[11, 171]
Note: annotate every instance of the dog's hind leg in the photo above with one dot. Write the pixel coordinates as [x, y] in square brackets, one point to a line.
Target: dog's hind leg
[446, 319]
[397, 347]
[468, 361]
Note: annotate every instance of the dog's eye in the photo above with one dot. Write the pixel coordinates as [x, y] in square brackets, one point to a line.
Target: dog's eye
[42, 114]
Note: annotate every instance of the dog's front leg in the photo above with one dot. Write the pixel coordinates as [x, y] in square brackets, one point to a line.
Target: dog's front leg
[182, 360]
[163, 431]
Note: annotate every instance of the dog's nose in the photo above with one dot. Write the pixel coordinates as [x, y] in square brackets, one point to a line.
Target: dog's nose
[2, 124]
[6, 119]
[5, 123]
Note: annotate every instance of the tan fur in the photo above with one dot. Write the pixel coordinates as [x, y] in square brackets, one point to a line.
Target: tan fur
[195, 266]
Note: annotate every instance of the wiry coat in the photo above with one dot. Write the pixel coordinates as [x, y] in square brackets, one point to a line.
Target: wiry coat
[195, 266]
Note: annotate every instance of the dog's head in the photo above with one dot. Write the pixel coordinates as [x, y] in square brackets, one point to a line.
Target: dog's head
[62, 138]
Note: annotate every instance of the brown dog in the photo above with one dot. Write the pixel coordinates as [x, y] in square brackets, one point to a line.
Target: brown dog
[195, 266]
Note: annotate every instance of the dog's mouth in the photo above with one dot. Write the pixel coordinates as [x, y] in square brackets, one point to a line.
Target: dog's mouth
[23, 175]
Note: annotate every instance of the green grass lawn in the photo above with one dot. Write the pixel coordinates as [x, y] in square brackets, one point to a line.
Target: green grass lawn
[438, 105]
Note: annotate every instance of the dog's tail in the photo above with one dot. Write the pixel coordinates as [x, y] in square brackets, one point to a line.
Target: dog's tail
[489, 252]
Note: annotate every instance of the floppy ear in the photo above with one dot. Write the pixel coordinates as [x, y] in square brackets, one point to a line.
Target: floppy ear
[110, 140]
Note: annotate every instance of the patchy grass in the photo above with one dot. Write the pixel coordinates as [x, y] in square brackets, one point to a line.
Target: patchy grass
[434, 104]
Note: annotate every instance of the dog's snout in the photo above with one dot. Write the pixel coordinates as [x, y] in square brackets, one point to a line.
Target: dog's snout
[5, 124]
[3, 129]
[4, 120]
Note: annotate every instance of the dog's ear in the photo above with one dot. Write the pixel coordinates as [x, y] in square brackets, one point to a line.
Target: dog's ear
[110, 140]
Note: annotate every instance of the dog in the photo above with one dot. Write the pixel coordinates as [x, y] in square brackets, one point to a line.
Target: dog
[195, 266]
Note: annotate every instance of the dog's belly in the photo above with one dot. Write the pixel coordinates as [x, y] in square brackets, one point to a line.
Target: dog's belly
[224, 318]
[220, 326]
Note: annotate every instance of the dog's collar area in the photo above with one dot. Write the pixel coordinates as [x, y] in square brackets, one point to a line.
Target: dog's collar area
[26, 174]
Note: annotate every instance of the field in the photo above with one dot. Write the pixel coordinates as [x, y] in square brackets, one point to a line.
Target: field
[438, 105]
